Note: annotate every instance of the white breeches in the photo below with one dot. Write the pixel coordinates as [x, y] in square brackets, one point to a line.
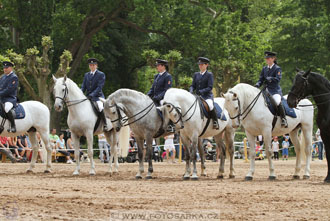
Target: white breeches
[210, 103]
[277, 99]
[8, 106]
[100, 105]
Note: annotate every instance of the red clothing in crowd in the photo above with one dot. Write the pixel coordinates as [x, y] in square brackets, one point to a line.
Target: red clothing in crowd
[3, 140]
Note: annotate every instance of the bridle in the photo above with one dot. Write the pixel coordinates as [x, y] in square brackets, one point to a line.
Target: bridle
[179, 112]
[301, 96]
[69, 103]
[123, 121]
[248, 108]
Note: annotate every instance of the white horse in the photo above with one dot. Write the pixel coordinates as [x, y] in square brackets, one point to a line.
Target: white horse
[142, 117]
[36, 120]
[182, 108]
[257, 120]
[81, 121]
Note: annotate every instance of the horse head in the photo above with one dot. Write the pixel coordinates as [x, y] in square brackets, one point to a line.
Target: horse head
[299, 89]
[115, 112]
[60, 92]
[233, 106]
[172, 112]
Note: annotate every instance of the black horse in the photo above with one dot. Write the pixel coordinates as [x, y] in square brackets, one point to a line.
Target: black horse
[310, 83]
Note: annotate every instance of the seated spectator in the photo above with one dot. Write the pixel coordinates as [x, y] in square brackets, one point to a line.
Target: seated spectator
[53, 139]
[42, 152]
[259, 155]
[12, 141]
[61, 148]
[22, 143]
[132, 143]
[4, 149]
[70, 147]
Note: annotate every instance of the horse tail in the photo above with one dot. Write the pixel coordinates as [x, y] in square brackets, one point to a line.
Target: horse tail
[124, 140]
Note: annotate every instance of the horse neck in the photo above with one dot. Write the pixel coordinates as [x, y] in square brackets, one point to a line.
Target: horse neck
[247, 98]
[75, 94]
[318, 89]
[184, 101]
[133, 104]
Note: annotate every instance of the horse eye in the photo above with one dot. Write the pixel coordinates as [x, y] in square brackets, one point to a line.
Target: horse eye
[175, 115]
[63, 89]
[236, 108]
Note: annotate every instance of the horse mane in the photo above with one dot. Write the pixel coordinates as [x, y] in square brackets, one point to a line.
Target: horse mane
[126, 93]
[249, 91]
[321, 80]
[72, 86]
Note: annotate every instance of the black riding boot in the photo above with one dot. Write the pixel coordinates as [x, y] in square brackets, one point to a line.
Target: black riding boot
[281, 111]
[215, 119]
[105, 127]
[170, 127]
[11, 118]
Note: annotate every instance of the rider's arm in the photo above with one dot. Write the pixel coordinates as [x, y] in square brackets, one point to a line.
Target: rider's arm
[209, 85]
[11, 88]
[99, 87]
[278, 76]
[168, 85]
[83, 86]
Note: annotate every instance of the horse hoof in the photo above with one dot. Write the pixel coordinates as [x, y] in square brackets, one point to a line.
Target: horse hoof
[29, 171]
[138, 177]
[327, 181]
[148, 177]
[203, 174]
[194, 178]
[220, 177]
[248, 178]
[306, 177]
[272, 178]
[296, 177]
[231, 176]
[47, 171]
[186, 178]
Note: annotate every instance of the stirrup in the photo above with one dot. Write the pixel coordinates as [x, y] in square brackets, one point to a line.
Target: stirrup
[170, 129]
[12, 130]
[215, 125]
[284, 123]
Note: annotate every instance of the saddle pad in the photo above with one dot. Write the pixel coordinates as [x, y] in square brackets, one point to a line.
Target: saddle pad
[19, 110]
[218, 110]
[288, 111]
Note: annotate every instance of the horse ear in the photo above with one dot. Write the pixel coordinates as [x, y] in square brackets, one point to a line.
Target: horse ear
[64, 78]
[307, 72]
[54, 79]
[168, 105]
[297, 69]
[103, 100]
[222, 95]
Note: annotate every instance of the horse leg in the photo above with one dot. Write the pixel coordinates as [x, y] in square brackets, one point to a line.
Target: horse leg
[89, 137]
[295, 140]
[229, 137]
[267, 144]
[149, 156]
[222, 150]
[35, 149]
[76, 144]
[252, 155]
[194, 144]
[45, 138]
[186, 144]
[202, 155]
[307, 135]
[326, 143]
[113, 149]
[139, 143]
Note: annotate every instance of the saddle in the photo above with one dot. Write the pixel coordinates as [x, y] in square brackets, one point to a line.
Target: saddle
[205, 110]
[19, 111]
[270, 102]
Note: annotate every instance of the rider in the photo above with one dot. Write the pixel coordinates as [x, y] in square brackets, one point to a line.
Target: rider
[271, 76]
[162, 82]
[93, 84]
[8, 92]
[203, 84]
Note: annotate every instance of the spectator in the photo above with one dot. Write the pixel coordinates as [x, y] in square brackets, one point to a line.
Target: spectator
[132, 143]
[12, 141]
[70, 147]
[103, 148]
[169, 147]
[176, 141]
[53, 138]
[62, 149]
[285, 146]
[275, 147]
[4, 149]
[319, 143]
[22, 143]
[259, 155]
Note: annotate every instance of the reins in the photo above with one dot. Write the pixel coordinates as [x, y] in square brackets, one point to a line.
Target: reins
[69, 103]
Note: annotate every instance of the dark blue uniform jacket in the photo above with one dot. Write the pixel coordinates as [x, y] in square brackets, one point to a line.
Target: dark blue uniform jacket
[93, 84]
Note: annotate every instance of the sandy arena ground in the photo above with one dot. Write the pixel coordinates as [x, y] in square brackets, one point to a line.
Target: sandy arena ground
[61, 196]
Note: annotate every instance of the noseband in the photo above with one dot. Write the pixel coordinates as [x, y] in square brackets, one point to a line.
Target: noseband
[178, 111]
